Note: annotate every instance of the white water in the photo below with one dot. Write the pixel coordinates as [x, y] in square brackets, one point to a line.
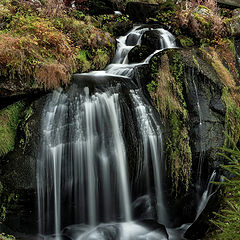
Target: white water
[82, 169]
[95, 127]
[153, 150]
[206, 195]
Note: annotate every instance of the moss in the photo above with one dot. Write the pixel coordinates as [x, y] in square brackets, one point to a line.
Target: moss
[44, 51]
[230, 93]
[232, 118]
[186, 41]
[4, 236]
[9, 120]
[227, 220]
[167, 93]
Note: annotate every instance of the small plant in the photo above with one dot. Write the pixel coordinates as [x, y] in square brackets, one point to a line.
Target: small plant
[4, 236]
[228, 220]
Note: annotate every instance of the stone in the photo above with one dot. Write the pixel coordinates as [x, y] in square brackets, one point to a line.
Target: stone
[99, 7]
[139, 12]
[152, 39]
[139, 54]
[234, 3]
[233, 26]
[217, 105]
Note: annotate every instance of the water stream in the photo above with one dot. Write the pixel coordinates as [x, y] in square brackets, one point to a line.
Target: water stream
[84, 190]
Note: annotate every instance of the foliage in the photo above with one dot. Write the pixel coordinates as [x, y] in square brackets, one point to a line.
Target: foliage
[186, 41]
[112, 23]
[4, 236]
[167, 94]
[201, 19]
[7, 201]
[227, 220]
[43, 50]
[9, 120]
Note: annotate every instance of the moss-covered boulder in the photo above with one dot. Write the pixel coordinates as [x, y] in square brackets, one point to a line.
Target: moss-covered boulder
[233, 25]
[139, 54]
[40, 49]
[18, 208]
[140, 11]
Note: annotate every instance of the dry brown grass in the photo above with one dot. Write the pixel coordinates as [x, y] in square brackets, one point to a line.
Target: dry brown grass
[169, 104]
[52, 75]
[166, 91]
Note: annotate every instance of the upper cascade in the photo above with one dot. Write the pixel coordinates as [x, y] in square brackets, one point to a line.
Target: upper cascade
[120, 65]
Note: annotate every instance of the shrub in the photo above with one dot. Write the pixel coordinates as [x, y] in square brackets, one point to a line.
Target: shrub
[227, 220]
[201, 19]
[43, 51]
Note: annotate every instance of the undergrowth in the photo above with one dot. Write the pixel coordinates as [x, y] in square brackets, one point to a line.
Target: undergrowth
[227, 220]
[46, 49]
[167, 94]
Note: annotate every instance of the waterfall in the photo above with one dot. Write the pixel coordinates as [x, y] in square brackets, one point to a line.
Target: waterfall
[83, 175]
[153, 150]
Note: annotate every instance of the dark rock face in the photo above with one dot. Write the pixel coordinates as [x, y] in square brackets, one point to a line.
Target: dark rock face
[200, 226]
[17, 87]
[98, 7]
[139, 12]
[152, 39]
[19, 173]
[139, 53]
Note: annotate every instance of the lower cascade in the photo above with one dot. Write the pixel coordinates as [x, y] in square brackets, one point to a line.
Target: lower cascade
[101, 166]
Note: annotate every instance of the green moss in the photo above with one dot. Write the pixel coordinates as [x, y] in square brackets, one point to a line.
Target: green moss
[167, 92]
[186, 41]
[43, 51]
[9, 120]
[4, 236]
[232, 118]
[227, 220]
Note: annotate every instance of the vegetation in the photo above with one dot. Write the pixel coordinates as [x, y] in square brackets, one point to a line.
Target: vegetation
[43, 47]
[4, 236]
[227, 222]
[167, 94]
[9, 120]
[216, 56]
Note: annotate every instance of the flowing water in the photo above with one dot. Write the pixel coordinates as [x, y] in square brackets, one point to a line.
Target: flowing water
[84, 189]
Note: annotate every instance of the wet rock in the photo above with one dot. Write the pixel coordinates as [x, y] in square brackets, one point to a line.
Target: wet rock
[152, 39]
[139, 54]
[18, 172]
[217, 105]
[199, 227]
[144, 207]
[119, 28]
[139, 12]
[99, 7]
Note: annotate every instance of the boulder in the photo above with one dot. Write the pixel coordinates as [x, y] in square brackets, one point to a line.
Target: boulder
[139, 12]
[99, 7]
[139, 54]
[152, 39]
[18, 172]
[233, 26]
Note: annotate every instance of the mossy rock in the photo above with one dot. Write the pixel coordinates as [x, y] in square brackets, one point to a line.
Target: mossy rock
[9, 120]
[233, 26]
[139, 54]
[185, 41]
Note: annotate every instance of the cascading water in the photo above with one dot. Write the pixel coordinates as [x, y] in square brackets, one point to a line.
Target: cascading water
[83, 184]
